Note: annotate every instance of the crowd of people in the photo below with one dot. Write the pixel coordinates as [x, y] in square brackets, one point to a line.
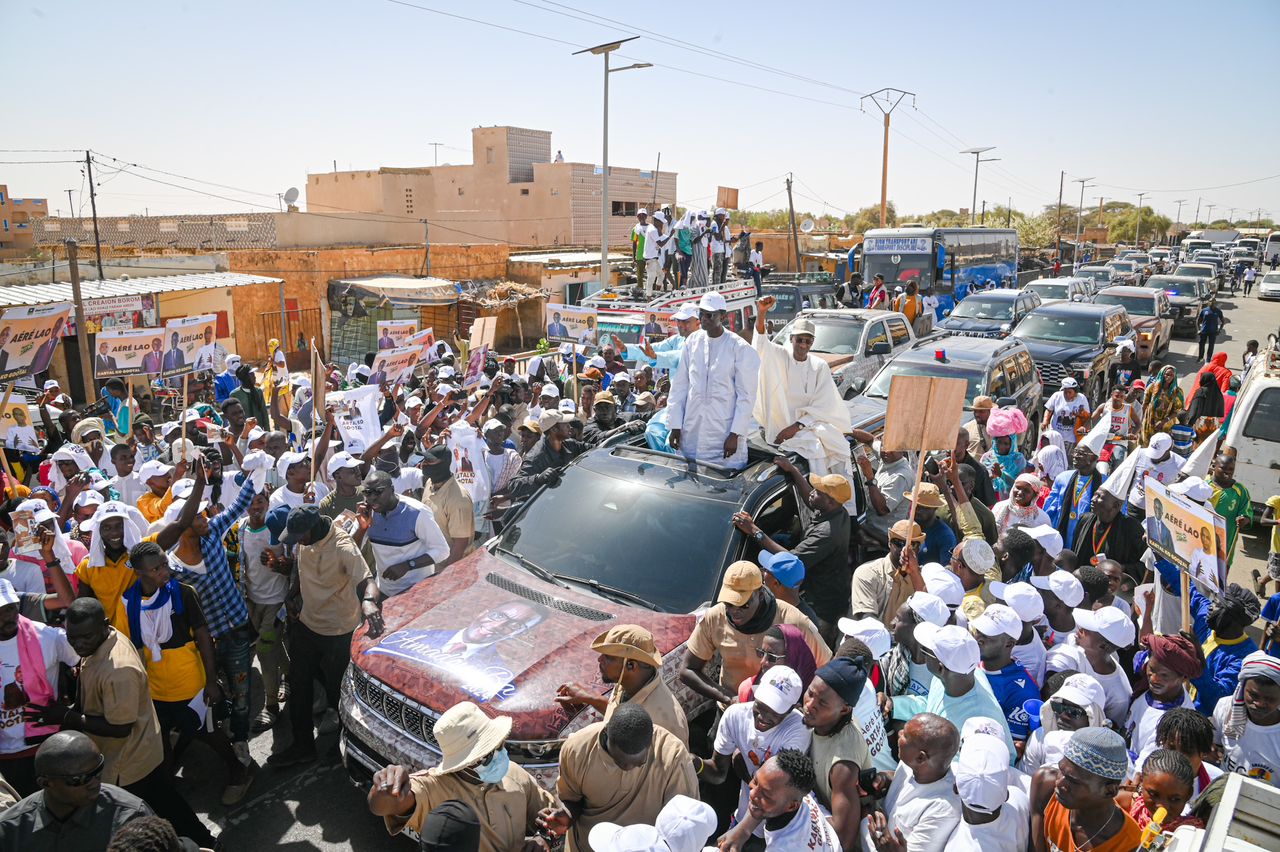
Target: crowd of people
[989, 657]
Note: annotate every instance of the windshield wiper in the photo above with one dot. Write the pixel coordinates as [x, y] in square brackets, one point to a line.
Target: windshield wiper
[611, 591]
[532, 567]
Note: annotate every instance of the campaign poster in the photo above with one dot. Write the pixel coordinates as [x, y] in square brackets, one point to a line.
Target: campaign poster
[426, 337]
[356, 414]
[24, 532]
[658, 325]
[1182, 531]
[394, 365]
[571, 324]
[131, 352]
[394, 334]
[190, 343]
[16, 429]
[28, 337]
[475, 367]
[118, 313]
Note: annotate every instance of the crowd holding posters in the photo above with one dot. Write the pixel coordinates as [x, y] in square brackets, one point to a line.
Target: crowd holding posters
[1184, 533]
[28, 337]
[355, 413]
[393, 334]
[394, 365]
[131, 352]
[190, 341]
[571, 324]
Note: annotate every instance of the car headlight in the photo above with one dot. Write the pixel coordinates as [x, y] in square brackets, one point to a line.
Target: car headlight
[1145, 334]
[1085, 368]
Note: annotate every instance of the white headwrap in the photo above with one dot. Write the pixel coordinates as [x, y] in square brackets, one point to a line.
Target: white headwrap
[1052, 461]
[134, 524]
[67, 452]
[61, 551]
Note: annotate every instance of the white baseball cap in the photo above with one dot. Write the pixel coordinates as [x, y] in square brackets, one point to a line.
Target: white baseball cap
[929, 608]
[685, 823]
[955, 647]
[1063, 585]
[611, 837]
[1022, 598]
[624, 376]
[1109, 622]
[712, 302]
[446, 372]
[1082, 690]
[549, 390]
[414, 401]
[1048, 537]
[50, 384]
[686, 311]
[981, 775]
[597, 362]
[779, 689]
[40, 511]
[341, 460]
[1193, 488]
[997, 619]
[940, 581]
[8, 595]
[567, 406]
[1069, 382]
[155, 467]
[1159, 444]
[871, 631]
[182, 489]
[287, 460]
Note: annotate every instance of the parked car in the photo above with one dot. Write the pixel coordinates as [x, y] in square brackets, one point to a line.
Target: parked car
[1139, 259]
[1151, 315]
[992, 313]
[1216, 258]
[854, 341]
[1071, 339]
[529, 602]
[1187, 297]
[1203, 271]
[794, 295]
[1254, 428]
[1101, 275]
[1062, 289]
[1001, 369]
[1160, 254]
[1124, 271]
[1269, 286]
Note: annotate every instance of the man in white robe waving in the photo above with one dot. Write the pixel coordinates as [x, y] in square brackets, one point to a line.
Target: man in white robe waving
[713, 391]
[797, 403]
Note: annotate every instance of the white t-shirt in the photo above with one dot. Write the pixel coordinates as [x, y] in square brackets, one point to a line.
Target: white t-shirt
[1140, 727]
[1070, 657]
[718, 231]
[737, 732]
[921, 678]
[54, 646]
[809, 830]
[1255, 754]
[1165, 472]
[409, 479]
[926, 814]
[284, 497]
[26, 577]
[1031, 656]
[1064, 414]
[130, 488]
[867, 712]
[1006, 833]
[757, 258]
[651, 237]
[263, 585]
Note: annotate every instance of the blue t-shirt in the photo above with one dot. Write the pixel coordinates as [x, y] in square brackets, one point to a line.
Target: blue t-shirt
[1013, 686]
[939, 541]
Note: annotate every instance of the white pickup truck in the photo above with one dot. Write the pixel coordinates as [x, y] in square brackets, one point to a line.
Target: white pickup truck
[854, 342]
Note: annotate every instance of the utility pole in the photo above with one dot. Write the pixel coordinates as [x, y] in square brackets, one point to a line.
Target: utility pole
[1008, 213]
[1062, 177]
[86, 366]
[435, 160]
[977, 158]
[1179, 202]
[1137, 226]
[896, 96]
[983, 220]
[1197, 219]
[93, 205]
[1208, 217]
[426, 239]
[795, 235]
[71, 207]
[1075, 253]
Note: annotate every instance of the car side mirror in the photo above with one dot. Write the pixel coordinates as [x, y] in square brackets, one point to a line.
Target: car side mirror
[1006, 401]
[882, 347]
[947, 312]
[858, 385]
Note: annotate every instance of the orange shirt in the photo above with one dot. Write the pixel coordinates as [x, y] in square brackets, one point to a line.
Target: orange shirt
[152, 507]
[1057, 832]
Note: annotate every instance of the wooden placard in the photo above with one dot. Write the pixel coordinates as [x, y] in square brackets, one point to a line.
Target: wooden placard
[727, 197]
[483, 331]
[924, 413]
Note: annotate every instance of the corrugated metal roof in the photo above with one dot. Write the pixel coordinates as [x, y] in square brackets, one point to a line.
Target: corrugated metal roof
[566, 258]
[405, 289]
[44, 294]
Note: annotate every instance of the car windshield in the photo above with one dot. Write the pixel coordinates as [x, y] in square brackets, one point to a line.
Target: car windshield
[1123, 265]
[1196, 271]
[978, 307]
[660, 545]
[835, 337]
[1174, 287]
[1049, 291]
[1060, 328]
[970, 372]
[1272, 278]
[786, 300]
[1139, 258]
[1097, 274]
[1143, 306]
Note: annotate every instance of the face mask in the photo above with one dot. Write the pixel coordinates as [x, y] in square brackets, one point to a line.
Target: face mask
[495, 769]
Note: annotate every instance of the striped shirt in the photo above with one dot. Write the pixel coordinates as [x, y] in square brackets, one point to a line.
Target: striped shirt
[224, 607]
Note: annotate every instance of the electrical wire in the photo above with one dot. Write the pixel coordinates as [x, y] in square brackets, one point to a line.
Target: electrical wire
[1191, 188]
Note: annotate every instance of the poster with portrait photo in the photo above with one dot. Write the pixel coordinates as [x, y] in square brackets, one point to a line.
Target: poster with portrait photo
[571, 324]
[28, 337]
[131, 352]
[394, 334]
[190, 341]
[394, 365]
[1183, 532]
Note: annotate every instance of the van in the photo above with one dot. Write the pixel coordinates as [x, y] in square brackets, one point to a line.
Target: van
[1253, 430]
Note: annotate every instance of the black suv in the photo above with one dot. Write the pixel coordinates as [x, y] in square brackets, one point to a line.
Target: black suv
[1075, 339]
[991, 313]
[1000, 369]
[1187, 296]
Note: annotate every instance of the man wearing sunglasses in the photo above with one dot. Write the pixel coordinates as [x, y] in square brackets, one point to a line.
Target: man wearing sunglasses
[880, 586]
[73, 809]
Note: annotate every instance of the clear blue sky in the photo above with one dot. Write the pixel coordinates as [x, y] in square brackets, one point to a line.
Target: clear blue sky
[1171, 97]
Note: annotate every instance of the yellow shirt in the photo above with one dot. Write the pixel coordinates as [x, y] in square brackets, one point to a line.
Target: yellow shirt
[152, 507]
[452, 506]
[108, 583]
[660, 702]
[179, 673]
[1274, 503]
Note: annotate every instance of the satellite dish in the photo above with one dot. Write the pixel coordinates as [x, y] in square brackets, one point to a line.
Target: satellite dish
[291, 195]
[807, 226]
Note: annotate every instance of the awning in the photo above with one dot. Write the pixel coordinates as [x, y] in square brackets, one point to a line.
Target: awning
[400, 290]
[45, 294]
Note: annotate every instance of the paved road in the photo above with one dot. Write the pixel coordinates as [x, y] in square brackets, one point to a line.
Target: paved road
[316, 808]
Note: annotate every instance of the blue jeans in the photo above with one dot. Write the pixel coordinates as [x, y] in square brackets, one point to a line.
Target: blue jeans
[233, 652]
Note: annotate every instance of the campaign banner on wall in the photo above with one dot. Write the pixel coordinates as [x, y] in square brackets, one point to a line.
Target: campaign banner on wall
[394, 334]
[394, 365]
[190, 341]
[117, 313]
[131, 352]
[1183, 532]
[28, 337]
[571, 324]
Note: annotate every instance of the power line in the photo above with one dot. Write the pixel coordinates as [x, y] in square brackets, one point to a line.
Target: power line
[1191, 188]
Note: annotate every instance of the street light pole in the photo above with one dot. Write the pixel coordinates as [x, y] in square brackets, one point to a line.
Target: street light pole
[1178, 223]
[1137, 226]
[604, 50]
[977, 158]
[884, 164]
[1075, 253]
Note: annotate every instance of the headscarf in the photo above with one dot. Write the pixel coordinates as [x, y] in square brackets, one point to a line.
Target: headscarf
[1218, 367]
[799, 658]
[67, 452]
[87, 425]
[1207, 399]
[1243, 604]
[1052, 438]
[1012, 463]
[1051, 461]
[1096, 713]
[1175, 652]
[134, 523]
[1258, 664]
[1161, 404]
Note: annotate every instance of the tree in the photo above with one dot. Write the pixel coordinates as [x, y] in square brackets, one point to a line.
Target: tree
[1035, 231]
[1123, 224]
[869, 217]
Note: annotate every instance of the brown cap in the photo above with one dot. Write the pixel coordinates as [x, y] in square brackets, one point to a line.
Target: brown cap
[630, 642]
[927, 495]
[740, 581]
[983, 402]
[901, 528]
[833, 485]
[605, 396]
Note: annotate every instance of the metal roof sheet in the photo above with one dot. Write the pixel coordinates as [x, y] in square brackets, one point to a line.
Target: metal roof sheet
[44, 294]
[404, 289]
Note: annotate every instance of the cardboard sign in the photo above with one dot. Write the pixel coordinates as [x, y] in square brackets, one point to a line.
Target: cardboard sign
[24, 532]
[571, 324]
[131, 352]
[393, 334]
[924, 413]
[189, 341]
[16, 428]
[483, 332]
[28, 337]
[1183, 532]
[475, 367]
[394, 365]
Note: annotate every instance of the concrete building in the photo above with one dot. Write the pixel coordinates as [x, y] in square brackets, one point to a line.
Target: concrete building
[17, 222]
[511, 192]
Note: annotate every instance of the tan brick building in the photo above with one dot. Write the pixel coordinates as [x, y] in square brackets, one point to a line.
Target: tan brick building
[17, 215]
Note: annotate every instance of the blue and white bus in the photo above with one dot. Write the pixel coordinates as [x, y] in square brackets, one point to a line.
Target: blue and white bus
[950, 260]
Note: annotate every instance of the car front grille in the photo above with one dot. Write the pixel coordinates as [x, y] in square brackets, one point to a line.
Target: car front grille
[1051, 373]
[988, 334]
[409, 716]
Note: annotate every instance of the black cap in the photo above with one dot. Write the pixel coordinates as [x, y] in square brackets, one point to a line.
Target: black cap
[438, 454]
[453, 826]
[301, 521]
